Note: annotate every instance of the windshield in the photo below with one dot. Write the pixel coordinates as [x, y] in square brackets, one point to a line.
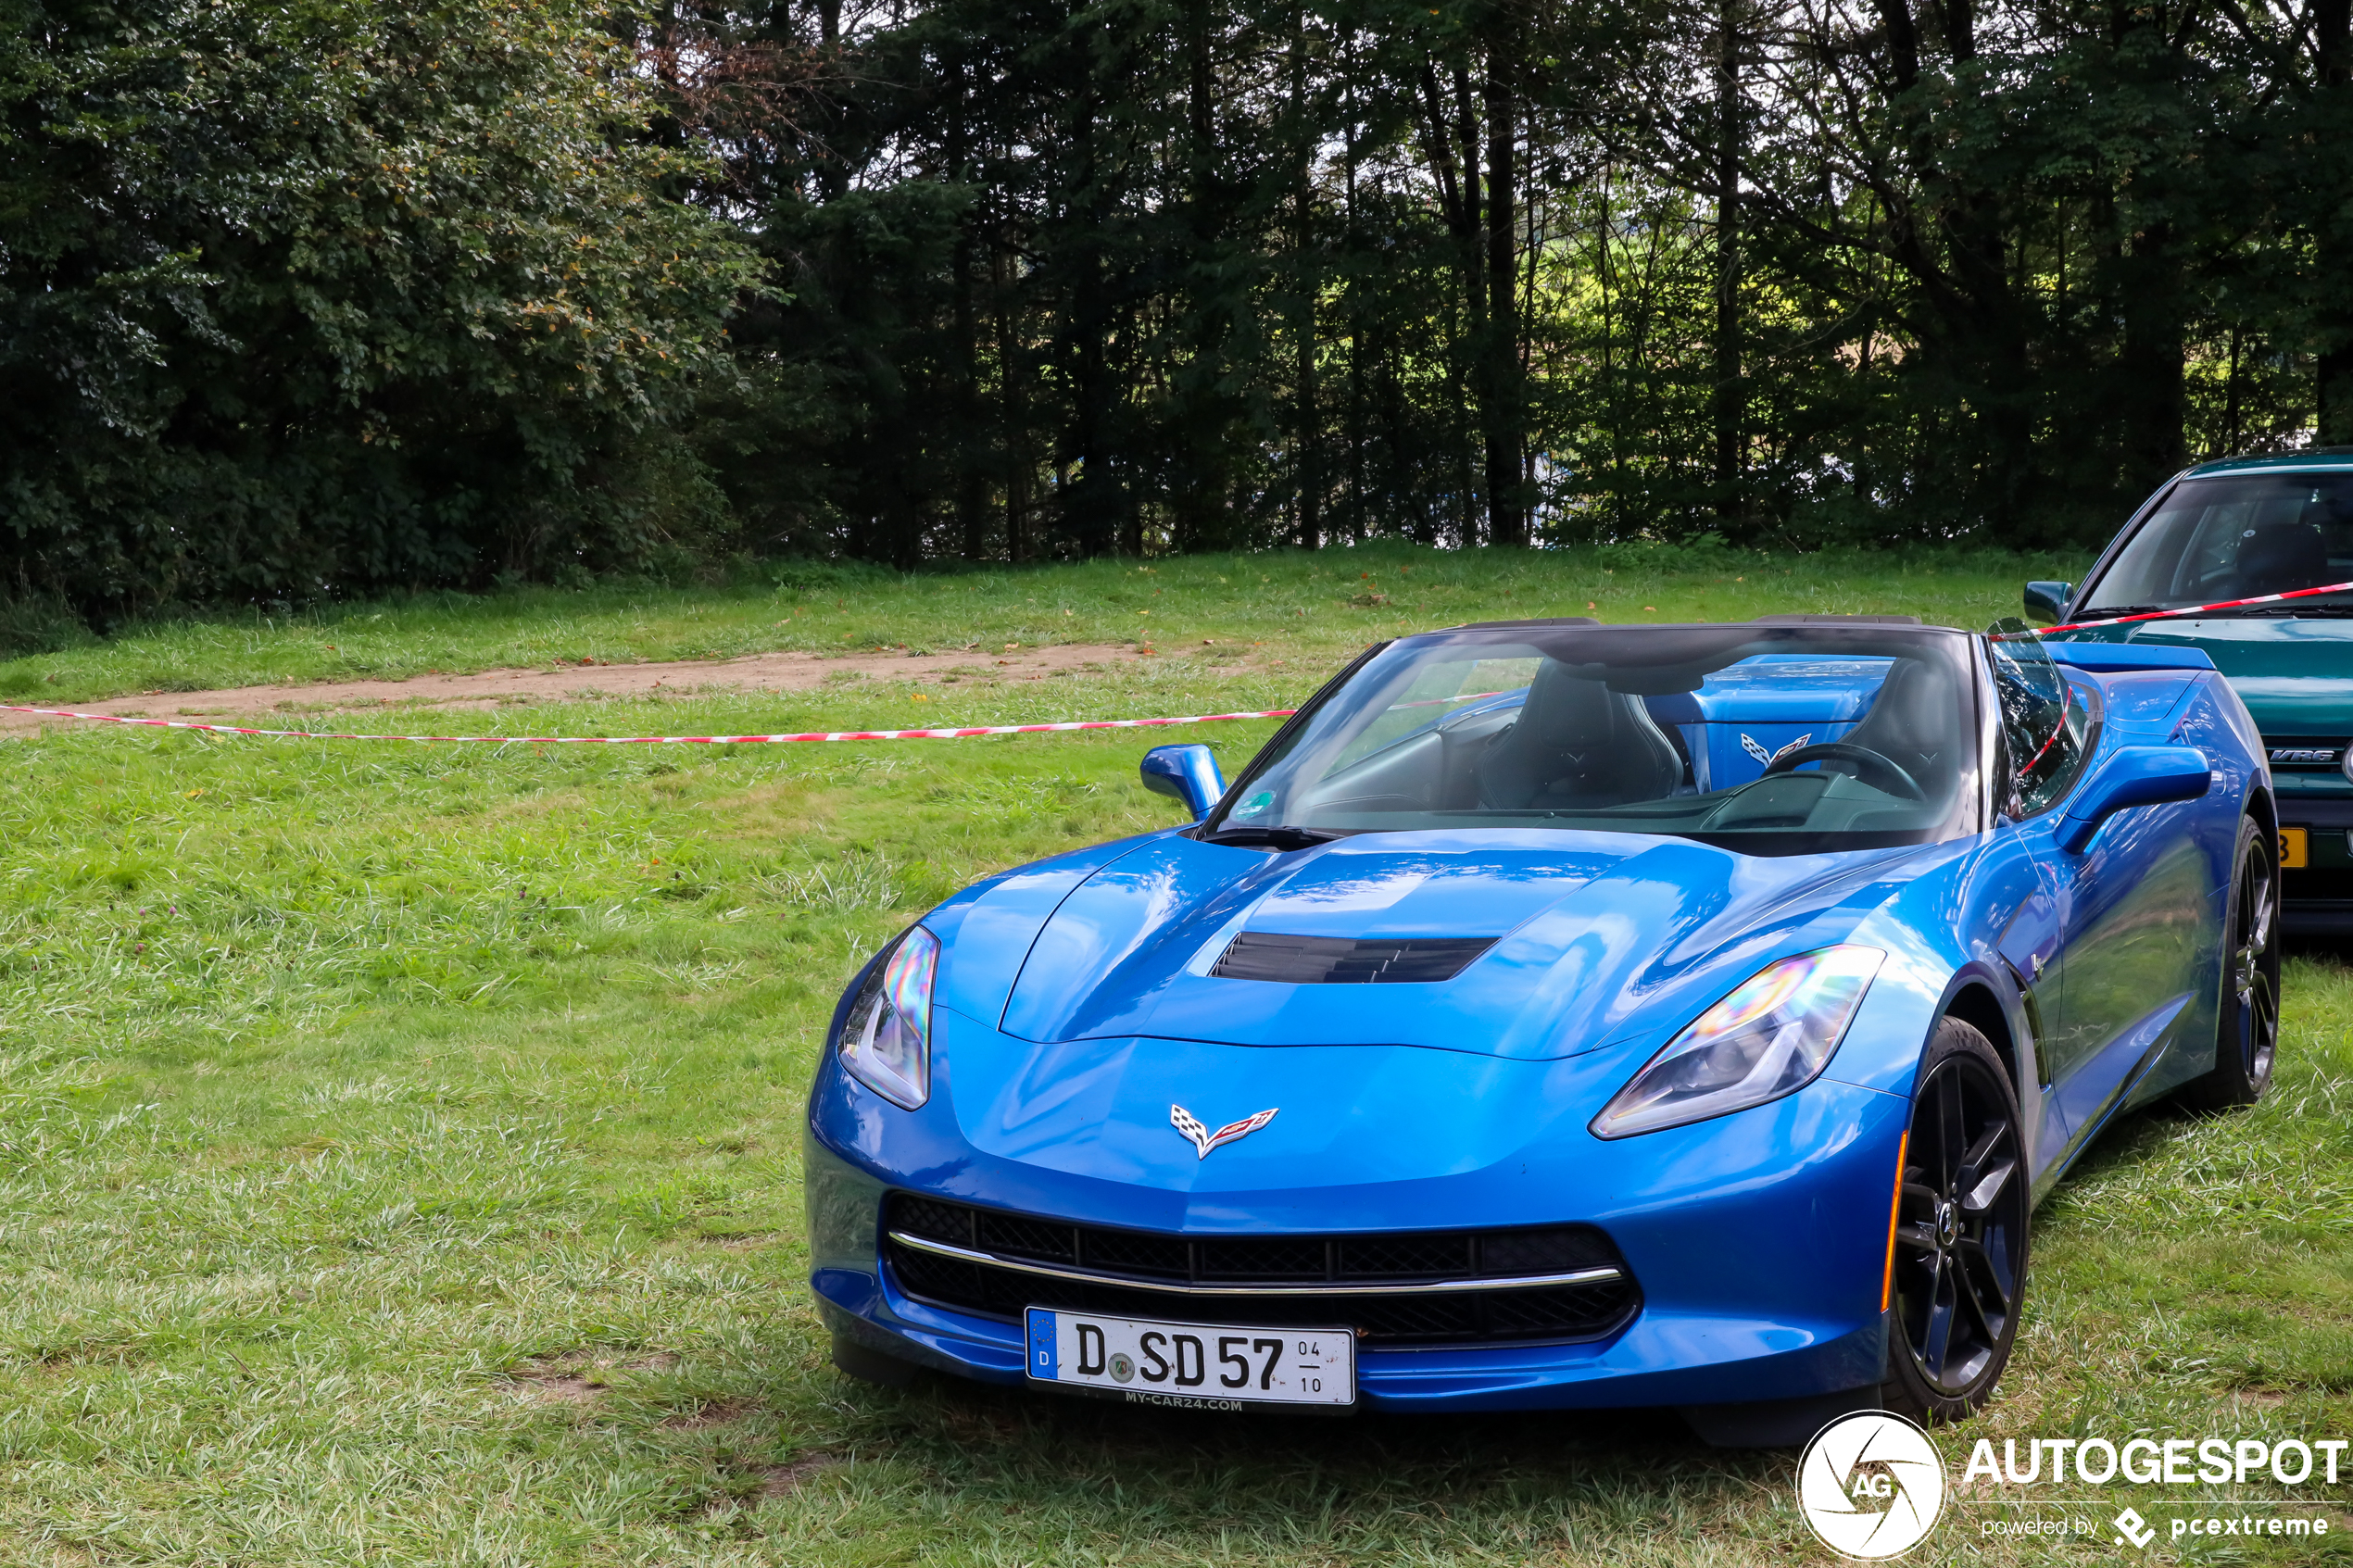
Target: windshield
[2233, 536]
[1767, 739]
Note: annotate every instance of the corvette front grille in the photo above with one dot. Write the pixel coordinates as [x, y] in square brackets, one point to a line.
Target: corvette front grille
[1559, 1283]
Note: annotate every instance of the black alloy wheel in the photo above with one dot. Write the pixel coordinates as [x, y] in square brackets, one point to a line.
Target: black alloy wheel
[2247, 1030]
[1960, 1231]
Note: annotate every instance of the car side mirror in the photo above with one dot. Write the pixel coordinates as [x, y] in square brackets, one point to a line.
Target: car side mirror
[2132, 775]
[2046, 602]
[1184, 772]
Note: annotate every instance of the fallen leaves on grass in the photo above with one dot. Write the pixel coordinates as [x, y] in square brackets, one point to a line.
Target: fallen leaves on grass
[580, 1377]
[558, 1381]
[783, 1480]
[749, 1485]
[750, 1241]
[710, 1413]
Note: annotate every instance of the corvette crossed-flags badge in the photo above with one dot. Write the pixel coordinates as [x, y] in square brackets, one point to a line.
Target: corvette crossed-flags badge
[1755, 748]
[1203, 1140]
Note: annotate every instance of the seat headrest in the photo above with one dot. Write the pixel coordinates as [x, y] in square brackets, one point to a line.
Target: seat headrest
[2276, 556]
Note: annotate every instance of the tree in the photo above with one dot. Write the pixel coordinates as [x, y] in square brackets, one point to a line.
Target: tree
[305, 299]
[349, 299]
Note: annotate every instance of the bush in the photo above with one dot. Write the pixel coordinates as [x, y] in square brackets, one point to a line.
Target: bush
[311, 299]
[37, 625]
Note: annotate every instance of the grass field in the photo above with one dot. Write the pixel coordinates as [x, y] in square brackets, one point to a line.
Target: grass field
[1319, 605]
[399, 1144]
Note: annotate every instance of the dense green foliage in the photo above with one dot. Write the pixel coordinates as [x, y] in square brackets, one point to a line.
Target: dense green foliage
[301, 297]
[307, 298]
[1192, 274]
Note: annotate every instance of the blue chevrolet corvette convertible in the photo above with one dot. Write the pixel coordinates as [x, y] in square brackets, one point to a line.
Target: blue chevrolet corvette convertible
[1556, 1015]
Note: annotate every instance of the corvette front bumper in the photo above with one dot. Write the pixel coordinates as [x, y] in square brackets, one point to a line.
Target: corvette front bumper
[1758, 1240]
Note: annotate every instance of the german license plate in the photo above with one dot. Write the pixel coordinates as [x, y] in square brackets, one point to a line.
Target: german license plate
[2296, 849]
[1219, 1366]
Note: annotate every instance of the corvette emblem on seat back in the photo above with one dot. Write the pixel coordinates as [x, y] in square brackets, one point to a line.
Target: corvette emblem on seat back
[1203, 1140]
[1755, 748]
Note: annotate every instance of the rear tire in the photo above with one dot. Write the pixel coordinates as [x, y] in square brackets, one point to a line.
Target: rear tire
[1960, 1231]
[2246, 1033]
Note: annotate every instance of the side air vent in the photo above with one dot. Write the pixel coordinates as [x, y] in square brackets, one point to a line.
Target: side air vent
[1341, 961]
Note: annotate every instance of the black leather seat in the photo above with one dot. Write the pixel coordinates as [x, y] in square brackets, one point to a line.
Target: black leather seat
[1910, 722]
[2278, 556]
[1577, 745]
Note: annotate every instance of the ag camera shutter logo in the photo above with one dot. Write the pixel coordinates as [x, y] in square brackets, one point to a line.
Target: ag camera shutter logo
[1872, 1485]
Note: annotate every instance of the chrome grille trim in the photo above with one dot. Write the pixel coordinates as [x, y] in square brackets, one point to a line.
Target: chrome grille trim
[1333, 1289]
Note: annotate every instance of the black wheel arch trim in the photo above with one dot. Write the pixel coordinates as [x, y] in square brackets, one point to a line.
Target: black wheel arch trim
[1981, 991]
[2265, 810]
[2002, 1004]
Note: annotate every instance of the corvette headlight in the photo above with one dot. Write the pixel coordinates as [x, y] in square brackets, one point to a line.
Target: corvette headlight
[1771, 1036]
[886, 1041]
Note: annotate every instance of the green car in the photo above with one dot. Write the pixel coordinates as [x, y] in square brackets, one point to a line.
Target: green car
[2232, 530]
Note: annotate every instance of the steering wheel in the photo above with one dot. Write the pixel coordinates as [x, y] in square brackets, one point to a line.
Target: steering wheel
[1879, 773]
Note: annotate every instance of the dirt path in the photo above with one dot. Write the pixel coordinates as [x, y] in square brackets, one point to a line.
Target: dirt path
[765, 671]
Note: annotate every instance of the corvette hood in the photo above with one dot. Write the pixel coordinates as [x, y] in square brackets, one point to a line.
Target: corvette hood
[1585, 930]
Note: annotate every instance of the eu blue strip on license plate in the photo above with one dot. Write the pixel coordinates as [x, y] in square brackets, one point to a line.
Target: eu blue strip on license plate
[1151, 1360]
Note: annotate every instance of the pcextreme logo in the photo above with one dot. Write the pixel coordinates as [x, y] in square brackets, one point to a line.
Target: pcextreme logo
[1870, 1485]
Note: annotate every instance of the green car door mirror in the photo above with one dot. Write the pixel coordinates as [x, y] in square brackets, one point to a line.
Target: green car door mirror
[2046, 602]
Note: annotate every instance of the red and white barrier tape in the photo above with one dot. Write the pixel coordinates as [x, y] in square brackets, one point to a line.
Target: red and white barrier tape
[708, 740]
[2172, 614]
[668, 740]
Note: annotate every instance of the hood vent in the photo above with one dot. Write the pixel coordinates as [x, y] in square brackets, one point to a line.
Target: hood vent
[1343, 961]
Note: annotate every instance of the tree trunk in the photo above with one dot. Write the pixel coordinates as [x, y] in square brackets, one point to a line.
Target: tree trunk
[1307, 475]
[972, 498]
[2152, 275]
[2230, 402]
[833, 178]
[2332, 51]
[1502, 411]
[2151, 376]
[1356, 345]
[1726, 399]
[1012, 365]
[1128, 515]
[1090, 502]
[1470, 270]
[1201, 408]
[1605, 266]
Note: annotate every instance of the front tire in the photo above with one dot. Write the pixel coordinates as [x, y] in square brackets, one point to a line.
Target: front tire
[2247, 1036]
[1960, 1231]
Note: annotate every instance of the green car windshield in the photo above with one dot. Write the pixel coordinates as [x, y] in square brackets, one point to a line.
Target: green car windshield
[1770, 739]
[2235, 536]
